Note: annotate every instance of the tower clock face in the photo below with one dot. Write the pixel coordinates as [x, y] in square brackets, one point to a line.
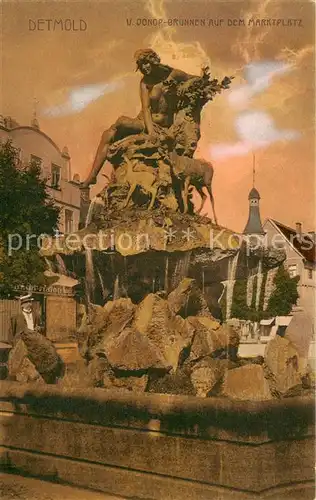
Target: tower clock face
[254, 203]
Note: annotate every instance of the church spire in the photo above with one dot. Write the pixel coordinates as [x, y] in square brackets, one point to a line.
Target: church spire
[254, 225]
[253, 169]
[34, 122]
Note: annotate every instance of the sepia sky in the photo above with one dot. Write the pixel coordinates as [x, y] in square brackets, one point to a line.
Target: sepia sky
[84, 80]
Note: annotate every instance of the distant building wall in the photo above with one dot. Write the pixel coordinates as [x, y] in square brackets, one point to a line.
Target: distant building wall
[8, 308]
[34, 143]
[296, 265]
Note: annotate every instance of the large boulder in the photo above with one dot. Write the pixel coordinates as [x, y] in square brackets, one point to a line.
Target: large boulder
[206, 374]
[103, 375]
[103, 324]
[187, 300]
[133, 351]
[168, 333]
[5, 349]
[35, 356]
[28, 373]
[16, 356]
[127, 383]
[123, 344]
[246, 383]
[282, 367]
[300, 333]
[20, 368]
[178, 383]
[99, 373]
[212, 339]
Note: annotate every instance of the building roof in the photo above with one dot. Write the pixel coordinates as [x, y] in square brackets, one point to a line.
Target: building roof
[61, 279]
[254, 194]
[283, 320]
[267, 322]
[304, 245]
[254, 225]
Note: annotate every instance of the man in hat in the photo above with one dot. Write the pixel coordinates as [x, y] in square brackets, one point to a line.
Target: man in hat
[27, 319]
[33, 355]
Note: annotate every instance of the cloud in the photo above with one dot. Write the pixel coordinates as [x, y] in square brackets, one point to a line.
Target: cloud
[80, 97]
[259, 76]
[258, 128]
[254, 129]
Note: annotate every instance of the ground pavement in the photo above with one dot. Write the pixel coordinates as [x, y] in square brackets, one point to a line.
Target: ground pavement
[14, 487]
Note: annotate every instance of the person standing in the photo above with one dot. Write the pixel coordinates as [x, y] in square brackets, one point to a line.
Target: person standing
[27, 319]
[29, 345]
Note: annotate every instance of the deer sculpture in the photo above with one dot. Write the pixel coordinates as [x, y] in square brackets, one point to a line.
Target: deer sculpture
[147, 179]
[193, 172]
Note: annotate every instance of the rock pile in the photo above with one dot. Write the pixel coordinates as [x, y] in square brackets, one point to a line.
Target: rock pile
[157, 346]
[160, 346]
[34, 359]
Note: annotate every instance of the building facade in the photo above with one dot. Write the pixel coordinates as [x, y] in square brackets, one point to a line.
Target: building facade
[300, 260]
[34, 145]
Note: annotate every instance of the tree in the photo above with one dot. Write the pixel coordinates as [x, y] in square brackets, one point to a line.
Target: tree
[239, 305]
[26, 212]
[285, 293]
[280, 303]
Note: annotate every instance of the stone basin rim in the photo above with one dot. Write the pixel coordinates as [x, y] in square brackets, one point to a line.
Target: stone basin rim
[154, 404]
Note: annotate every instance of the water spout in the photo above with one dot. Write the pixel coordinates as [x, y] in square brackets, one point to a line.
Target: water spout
[116, 292]
[166, 273]
[92, 205]
[104, 291]
[90, 273]
[259, 283]
[90, 276]
[181, 269]
[231, 278]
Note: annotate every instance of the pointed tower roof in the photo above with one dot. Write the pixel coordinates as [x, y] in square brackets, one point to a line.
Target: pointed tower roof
[254, 194]
[254, 225]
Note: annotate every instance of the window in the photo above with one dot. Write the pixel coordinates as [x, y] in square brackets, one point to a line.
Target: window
[68, 221]
[292, 270]
[55, 179]
[37, 160]
[310, 274]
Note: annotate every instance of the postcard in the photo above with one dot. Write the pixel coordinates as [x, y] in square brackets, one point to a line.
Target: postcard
[157, 249]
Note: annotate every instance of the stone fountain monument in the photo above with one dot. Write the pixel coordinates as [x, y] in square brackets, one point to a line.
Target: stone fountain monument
[157, 274]
[158, 279]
